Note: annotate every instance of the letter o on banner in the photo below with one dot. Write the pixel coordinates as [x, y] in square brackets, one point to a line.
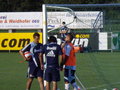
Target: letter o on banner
[12, 42]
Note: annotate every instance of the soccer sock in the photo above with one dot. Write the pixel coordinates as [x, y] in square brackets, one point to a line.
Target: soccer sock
[75, 86]
[67, 86]
[44, 83]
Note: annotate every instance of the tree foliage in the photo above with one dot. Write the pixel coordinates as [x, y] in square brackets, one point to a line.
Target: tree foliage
[20, 5]
[35, 5]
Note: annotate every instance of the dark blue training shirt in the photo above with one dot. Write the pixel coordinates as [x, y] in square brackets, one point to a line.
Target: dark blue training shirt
[35, 49]
[52, 51]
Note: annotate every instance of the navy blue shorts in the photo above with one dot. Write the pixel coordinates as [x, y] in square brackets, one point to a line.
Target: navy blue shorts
[52, 75]
[69, 75]
[34, 72]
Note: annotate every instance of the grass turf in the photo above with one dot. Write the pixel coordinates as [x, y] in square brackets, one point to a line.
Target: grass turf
[97, 71]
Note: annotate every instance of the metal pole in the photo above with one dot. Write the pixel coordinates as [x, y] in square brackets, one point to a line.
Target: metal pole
[44, 24]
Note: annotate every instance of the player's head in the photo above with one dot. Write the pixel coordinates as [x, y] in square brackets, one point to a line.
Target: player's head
[63, 23]
[69, 37]
[52, 39]
[36, 37]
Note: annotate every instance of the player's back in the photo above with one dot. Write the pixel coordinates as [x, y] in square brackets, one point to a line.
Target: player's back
[52, 51]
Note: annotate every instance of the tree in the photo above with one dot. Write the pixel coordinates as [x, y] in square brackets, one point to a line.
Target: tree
[20, 5]
[31, 5]
[3, 5]
[36, 5]
[81, 1]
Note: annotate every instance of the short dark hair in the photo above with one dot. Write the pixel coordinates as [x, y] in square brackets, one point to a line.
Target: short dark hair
[63, 22]
[52, 39]
[36, 34]
[71, 36]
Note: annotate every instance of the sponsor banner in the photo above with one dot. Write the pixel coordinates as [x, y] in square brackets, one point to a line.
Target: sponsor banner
[86, 19]
[33, 20]
[16, 41]
[103, 41]
[20, 20]
[116, 41]
[86, 40]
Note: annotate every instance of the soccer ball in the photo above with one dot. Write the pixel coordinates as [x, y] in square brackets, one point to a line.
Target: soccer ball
[28, 54]
[76, 49]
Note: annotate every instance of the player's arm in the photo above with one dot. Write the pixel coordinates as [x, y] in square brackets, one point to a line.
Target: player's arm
[61, 58]
[61, 62]
[22, 54]
[41, 57]
[67, 53]
[63, 45]
[26, 48]
[41, 61]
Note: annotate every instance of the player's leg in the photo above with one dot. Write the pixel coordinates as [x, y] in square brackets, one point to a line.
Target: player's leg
[54, 85]
[67, 85]
[55, 78]
[48, 78]
[47, 85]
[40, 81]
[72, 80]
[75, 86]
[29, 82]
[39, 75]
[30, 76]
[66, 79]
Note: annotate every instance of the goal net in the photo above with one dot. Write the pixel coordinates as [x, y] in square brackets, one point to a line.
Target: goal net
[76, 21]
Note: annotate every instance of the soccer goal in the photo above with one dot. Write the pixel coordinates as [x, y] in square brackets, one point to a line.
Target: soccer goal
[82, 22]
[53, 16]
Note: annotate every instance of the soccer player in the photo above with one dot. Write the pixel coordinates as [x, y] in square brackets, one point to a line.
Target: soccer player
[64, 30]
[52, 50]
[69, 60]
[34, 68]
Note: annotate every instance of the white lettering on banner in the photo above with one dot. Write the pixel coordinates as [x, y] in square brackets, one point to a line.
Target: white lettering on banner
[81, 41]
[20, 20]
[76, 42]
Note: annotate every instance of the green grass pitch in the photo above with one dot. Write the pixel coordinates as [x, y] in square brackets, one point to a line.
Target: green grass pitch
[96, 71]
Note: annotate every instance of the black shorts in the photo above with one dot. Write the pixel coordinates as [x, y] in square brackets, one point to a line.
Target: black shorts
[52, 75]
[34, 72]
[69, 75]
